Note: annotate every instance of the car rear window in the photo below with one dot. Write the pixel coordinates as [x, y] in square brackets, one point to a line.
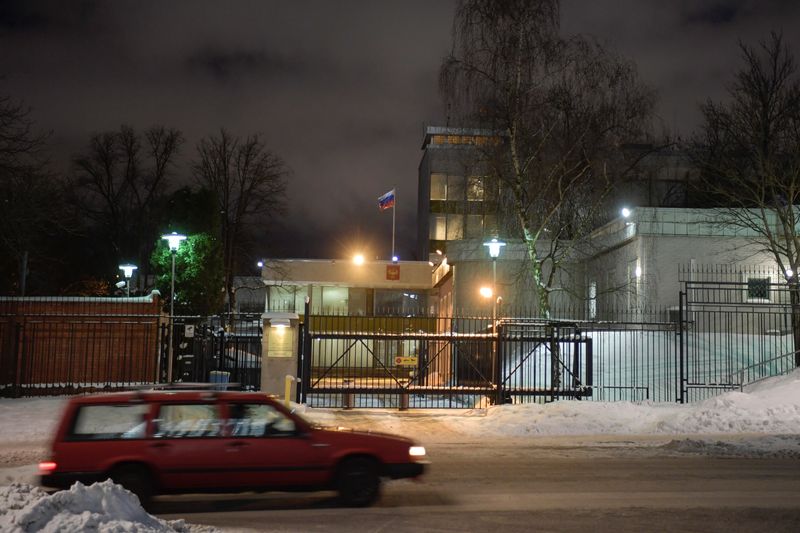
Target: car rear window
[98, 422]
[188, 420]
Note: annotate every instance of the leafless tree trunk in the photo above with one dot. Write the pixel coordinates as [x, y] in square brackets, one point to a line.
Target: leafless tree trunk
[748, 152]
[249, 182]
[561, 110]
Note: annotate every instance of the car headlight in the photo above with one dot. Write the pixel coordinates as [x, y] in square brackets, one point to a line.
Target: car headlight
[416, 451]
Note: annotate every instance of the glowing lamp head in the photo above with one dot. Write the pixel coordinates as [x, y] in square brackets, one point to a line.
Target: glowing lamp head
[486, 292]
[395, 259]
[625, 212]
[494, 247]
[174, 240]
[260, 264]
[358, 259]
[128, 270]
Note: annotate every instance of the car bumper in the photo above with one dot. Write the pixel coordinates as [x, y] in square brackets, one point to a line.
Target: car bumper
[64, 480]
[404, 470]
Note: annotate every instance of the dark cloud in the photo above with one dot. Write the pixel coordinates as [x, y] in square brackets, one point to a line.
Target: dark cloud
[716, 13]
[226, 65]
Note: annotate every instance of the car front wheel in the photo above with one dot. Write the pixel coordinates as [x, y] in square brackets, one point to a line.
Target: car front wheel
[358, 482]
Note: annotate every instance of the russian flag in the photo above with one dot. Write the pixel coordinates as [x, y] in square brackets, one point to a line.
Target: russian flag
[386, 201]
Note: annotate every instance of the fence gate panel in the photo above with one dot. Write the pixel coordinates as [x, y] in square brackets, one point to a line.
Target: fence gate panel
[732, 333]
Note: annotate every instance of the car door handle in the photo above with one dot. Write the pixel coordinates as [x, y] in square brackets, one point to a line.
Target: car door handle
[160, 445]
[237, 444]
[320, 445]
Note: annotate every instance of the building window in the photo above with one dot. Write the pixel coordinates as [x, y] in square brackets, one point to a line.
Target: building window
[475, 188]
[455, 227]
[334, 299]
[438, 227]
[757, 289]
[438, 187]
[474, 226]
[455, 188]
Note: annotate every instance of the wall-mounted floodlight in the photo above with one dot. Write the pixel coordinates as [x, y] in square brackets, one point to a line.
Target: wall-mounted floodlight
[395, 259]
[625, 212]
[494, 247]
[486, 292]
[260, 264]
[174, 240]
[358, 259]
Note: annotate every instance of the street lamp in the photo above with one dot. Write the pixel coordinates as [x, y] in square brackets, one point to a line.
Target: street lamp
[174, 241]
[128, 269]
[494, 252]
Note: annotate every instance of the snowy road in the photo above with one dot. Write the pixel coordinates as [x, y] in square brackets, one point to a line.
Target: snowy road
[612, 485]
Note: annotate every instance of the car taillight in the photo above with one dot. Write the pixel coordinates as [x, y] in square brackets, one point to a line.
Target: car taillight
[46, 467]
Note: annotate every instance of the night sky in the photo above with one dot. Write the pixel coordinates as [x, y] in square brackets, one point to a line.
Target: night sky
[340, 89]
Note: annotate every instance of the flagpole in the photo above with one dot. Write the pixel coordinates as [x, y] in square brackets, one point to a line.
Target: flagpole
[393, 210]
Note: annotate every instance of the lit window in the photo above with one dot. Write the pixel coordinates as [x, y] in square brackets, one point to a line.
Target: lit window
[438, 187]
[438, 230]
[455, 227]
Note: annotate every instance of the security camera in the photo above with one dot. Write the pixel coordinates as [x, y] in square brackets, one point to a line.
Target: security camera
[120, 284]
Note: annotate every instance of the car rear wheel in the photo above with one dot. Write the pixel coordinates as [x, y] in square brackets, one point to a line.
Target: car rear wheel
[358, 482]
[137, 480]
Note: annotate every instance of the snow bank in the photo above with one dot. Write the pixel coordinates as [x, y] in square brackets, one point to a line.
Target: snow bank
[104, 507]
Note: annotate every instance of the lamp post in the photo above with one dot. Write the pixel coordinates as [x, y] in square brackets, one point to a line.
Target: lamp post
[494, 252]
[128, 269]
[174, 241]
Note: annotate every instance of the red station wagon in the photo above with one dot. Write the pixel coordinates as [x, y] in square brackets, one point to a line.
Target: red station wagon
[169, 442]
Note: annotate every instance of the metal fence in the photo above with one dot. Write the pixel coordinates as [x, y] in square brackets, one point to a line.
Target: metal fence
[732, 334]
[465, 362]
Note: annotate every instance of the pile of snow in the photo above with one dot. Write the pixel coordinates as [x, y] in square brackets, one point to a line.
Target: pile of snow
[99, 507]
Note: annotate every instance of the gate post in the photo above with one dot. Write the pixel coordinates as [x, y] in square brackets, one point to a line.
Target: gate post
[498, 365]
[681, 364]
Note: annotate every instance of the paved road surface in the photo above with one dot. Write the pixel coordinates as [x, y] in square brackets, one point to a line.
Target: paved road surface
[537, 486]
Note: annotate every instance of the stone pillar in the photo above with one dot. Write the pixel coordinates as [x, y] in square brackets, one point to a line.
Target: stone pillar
[279, 349]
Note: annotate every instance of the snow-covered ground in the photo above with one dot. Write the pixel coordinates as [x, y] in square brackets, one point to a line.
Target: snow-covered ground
[764, 420]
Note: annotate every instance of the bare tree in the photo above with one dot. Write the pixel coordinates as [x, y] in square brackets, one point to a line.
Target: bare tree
[249, 182]
[30, 196]
[120, 183]
[748, 152]
[561, 110]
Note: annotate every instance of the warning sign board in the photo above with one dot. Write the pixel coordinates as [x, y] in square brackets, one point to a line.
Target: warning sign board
[406, 361]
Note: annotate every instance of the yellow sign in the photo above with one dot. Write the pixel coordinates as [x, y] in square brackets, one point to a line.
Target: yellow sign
[405, 361]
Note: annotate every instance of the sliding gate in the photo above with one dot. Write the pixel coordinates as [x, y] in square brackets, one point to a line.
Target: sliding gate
[430, 362]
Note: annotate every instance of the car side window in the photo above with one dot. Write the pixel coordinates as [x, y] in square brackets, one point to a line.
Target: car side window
[104, 422]
[189, 420]
[258, 420]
